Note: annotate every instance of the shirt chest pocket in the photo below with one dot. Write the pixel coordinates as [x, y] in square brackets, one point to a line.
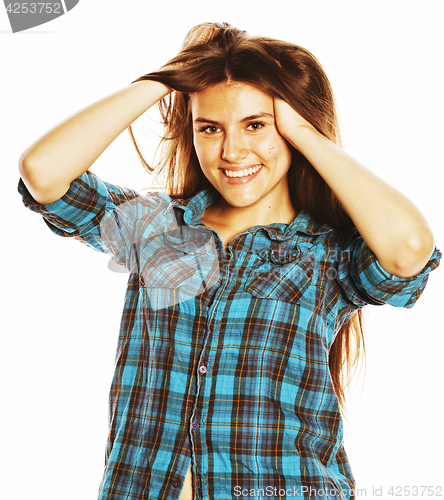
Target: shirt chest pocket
[173, 272]
[286, 278]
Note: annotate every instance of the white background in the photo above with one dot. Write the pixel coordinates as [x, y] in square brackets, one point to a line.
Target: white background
[61, 305]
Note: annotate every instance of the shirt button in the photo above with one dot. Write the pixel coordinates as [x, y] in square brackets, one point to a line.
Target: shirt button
[202, 369]
[195, 425]
[176, 484]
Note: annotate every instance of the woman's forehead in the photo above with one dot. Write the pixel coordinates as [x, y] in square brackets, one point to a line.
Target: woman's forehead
[230, 99]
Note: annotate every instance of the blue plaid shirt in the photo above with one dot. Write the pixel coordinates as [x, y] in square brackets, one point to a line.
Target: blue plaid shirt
[222, 359]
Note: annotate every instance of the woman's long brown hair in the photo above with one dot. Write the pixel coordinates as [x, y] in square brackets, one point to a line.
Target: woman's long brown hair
[214, 53]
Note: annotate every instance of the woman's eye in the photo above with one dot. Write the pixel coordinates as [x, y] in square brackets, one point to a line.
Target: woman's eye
[210, 129]
[255, 126]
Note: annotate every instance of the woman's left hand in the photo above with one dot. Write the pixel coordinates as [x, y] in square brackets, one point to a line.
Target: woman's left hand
[289, 122]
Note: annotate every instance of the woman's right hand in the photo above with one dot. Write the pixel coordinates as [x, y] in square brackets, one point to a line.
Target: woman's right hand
[68, 150]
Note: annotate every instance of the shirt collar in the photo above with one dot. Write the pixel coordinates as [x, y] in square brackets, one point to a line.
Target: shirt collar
[194, 209]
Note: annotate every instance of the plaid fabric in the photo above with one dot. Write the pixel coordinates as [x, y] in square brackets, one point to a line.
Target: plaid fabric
[222, 359]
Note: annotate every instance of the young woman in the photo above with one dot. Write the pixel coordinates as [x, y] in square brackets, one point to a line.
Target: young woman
[247, 277]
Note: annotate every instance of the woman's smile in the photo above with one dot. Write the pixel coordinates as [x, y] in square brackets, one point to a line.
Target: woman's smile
[245, 174]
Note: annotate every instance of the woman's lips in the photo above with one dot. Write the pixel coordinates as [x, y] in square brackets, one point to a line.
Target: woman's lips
[240, 176]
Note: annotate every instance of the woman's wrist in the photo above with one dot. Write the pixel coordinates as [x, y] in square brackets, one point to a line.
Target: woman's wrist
[153, 89]
[305, 137]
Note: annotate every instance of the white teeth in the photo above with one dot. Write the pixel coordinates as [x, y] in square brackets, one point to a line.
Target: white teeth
[242, 173]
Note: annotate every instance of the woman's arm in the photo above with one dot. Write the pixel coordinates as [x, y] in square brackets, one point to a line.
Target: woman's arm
[64, 153]
[390, 223]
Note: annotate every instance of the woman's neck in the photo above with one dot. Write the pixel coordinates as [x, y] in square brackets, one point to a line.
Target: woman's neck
[230, 221]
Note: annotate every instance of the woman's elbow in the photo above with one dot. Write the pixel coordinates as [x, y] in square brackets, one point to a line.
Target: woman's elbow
[414, 254]
[43, 189]
[30, 171]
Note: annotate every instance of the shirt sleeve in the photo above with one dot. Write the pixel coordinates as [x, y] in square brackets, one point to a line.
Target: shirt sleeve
[364, 281]
[97, 213]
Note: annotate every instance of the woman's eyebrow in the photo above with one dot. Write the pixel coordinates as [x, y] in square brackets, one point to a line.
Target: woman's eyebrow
[206, 120]
[246, 119]
[256, 116]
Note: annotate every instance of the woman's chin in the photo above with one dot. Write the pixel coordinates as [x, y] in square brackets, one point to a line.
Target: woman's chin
[240, 201]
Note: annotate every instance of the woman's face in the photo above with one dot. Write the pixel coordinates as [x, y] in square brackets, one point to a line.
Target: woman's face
[239, 147]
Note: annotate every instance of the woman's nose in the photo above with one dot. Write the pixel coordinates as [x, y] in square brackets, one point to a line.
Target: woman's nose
[234, 148]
